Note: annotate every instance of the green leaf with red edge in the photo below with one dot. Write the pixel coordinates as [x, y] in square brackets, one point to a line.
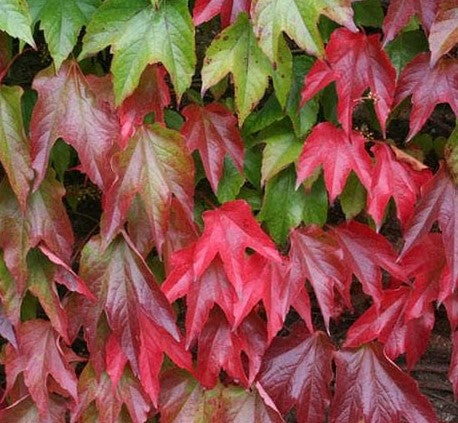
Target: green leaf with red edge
[14, 146]
[68, 108]
[444, 30]
[338, 154]
[45, 222]
[297, 372]
[371, 69]
[453, 371]
[138, 313]
[39, 355]
[155, 166]
[100, 401]
[428, 87]
[205, 10]
[438, 202]
[396, 179]
[369, 387]
[316, 256]
[298, 20]
[213, 131]
[400, 12]
[151, 95]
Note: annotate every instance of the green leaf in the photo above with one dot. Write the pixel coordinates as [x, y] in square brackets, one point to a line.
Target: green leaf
[61, 157]
[353, 197]
[252, 165]
[282, 75]
[316, 203]
[61, 22]
[368, 13]
[236, 51]
[283, 206]
[269, 113]
[15, 20]
[230, 183]
[141, 34]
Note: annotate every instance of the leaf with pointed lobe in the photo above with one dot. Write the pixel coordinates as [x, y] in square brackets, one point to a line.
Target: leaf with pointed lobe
[39, 356]
[45, 222]
[100, 401]
[213, 131]
[204, 10]
[453, 371]
[236, 51]
[151, 95]
[297, 372]
[298, 20]
[401, 11]
[444, 30]
[338, 154]
[68, 108]
[391, 326]
[141, 34]
[155, 166]
[371, 69]
[438, 202]
[61, 23]
[370, 387]
[428, 87]
[14, 146]
[15, 19]
[316, 256]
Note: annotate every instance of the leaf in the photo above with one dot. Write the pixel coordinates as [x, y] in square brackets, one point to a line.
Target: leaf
[231, 182]
[365, 252]
[371, 69]
[68, 108]
[394, 179]
[382, 392]
[235, 51]
[316, 256]
[444, 30]
[269, 113]
[428, 86]
[338, 154]
[401, 11]
[16, 21]
[453, 371]
[297, 372]
[353, 197]
[14, 146]
[109, 399]
[155, 166]
[368, 13]
[151, 95]
[298, 20]
[38, 356]
[45, 222]
[6, 328]
[438, 202]
[61, 23]
[205, 10]
[213, 131]
[138, 314]
[316, 204]
[140, 34]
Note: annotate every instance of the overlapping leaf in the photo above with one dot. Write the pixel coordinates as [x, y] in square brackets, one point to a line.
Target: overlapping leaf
[204, 10]
[444, 30]
[15, 20]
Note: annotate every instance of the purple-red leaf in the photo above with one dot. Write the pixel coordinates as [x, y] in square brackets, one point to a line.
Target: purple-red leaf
[444, 30]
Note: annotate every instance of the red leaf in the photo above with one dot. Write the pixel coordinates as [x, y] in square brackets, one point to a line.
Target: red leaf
[38, 356]
[365, 251]
[155, 166]
[444, 30]
[400, 12]
[439, 202]
[371, 388]
[214, 132]
[391, 326]
[68, 108]
[204, 10]
[109, 399]
[297, 372]
[371, 68]
[315, 255]
[453, 371]
[338, 154]
[151, 95]
[428, 86]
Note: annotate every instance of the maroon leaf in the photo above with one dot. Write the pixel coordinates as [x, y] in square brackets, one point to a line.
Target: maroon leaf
[214, 132]
[369, 387]
[297, 372]
[444, 30]
[371, 68]
[428, 87]
[338, 154]
[68, 108]
[204, 10]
